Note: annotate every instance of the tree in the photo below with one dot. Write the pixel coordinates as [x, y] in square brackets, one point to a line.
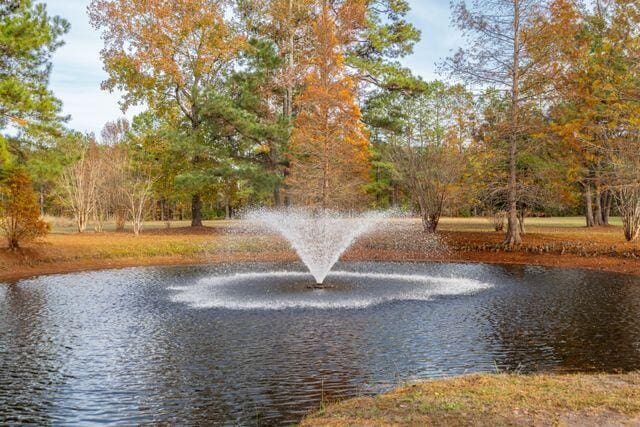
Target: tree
[628, 197]
[283, 29]
[385, 37]
[20, 217]
[79, 185]
[287, 26]
[111, 174]
[110, 166]
[496, 56]
[329, 145]
[138, 189]
[114, 132]
[28, 38]
[168, 55]
[154, 142]
[625, 182]
[422, 141]
[592, 69]
[251, 131]
[545, 174]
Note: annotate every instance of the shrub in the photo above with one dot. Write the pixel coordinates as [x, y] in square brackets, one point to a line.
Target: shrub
[19, 214]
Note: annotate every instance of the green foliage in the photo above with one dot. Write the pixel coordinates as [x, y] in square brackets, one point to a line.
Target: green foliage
[387, 37]
[543, 170]
[5, 157]
[28, 38]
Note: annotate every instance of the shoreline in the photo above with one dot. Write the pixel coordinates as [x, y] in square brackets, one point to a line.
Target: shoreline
[495, 399]
[568, 261]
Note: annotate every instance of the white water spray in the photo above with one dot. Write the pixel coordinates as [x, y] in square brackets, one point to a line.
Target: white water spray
[271, 290]
[319, 238]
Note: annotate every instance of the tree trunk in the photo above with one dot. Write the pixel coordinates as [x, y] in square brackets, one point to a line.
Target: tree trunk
[161, 204]
[166, 212]
[606, 207]
[513, 236]
[13, 243]
[196, 211]
[429, 222]
[41, 200]
[121, 219]
[81, 221]
[395, 196]
[521, 216]
[597, 216]
[277, 202]
[589, 205]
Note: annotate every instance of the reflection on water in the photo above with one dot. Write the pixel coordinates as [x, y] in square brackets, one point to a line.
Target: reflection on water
[124, 347]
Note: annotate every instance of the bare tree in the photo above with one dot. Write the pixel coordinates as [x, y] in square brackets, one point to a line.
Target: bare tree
[625, 175]
[102, 205]
[428, 173]
[495, 56]
[79, 182]
[628, 198]
[111, 169]
[111, 201]
[428, 152]
[137, 191]
[115, 131]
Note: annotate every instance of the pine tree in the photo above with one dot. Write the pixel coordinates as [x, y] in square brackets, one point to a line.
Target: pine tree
[28, 38]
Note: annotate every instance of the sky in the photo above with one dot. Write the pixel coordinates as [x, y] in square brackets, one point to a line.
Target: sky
[77, 70]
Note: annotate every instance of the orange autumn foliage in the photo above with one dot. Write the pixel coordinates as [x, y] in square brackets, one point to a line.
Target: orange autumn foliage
[329, 147]
[19, 214]
[165, 53]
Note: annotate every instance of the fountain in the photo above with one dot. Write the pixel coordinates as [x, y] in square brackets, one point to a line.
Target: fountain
[319, 238]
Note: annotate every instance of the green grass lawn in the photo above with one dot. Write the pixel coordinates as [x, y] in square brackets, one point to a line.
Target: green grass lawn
[532, 224]
[478, 224]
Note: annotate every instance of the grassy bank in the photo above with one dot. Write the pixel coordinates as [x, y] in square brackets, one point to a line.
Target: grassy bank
[549, 241]
[496, 400]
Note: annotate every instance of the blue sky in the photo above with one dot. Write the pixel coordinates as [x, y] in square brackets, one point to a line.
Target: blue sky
[77, 69]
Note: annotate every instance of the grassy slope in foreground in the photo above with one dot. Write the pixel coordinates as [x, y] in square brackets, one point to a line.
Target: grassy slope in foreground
[579, 399]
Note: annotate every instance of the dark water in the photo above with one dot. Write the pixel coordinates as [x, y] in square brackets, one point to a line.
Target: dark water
[197, 346]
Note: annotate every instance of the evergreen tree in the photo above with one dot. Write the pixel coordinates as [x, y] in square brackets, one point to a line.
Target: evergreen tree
[28, 38]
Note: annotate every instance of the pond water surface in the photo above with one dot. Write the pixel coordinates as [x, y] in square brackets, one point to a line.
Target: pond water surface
[245, 345]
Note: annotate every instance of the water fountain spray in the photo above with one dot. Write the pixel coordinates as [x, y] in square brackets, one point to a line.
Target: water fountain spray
[319, 238]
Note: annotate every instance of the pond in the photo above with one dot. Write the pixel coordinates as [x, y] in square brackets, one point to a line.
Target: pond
[253, 344]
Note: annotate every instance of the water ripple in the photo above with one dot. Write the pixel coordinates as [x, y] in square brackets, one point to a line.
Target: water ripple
[114, 347]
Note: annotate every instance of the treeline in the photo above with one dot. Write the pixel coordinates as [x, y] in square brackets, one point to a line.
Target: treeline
[279, 102]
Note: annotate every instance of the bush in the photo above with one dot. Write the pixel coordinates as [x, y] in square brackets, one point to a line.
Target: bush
[19, 214]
